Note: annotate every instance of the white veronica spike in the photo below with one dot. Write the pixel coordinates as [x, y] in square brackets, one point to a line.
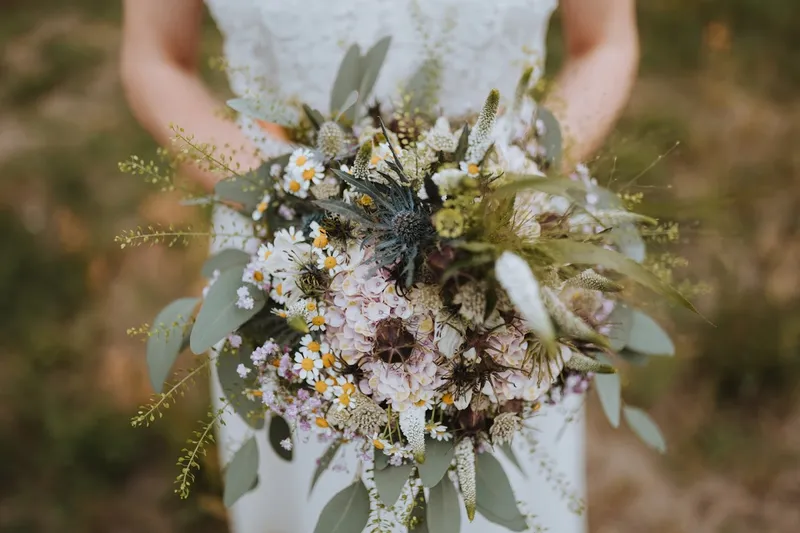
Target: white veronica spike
[412, 424]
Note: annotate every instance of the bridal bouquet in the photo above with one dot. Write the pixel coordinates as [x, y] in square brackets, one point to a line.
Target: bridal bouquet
[417, 287]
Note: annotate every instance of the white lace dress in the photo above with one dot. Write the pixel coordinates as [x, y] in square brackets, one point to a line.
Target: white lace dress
[293, 49]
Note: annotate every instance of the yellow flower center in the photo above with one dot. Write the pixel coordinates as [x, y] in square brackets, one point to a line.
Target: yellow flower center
[258, 276]
[447, 399]
[262, 207]
[309, 173]
[344, 399]
[348, 389]
[301, 160]
[279, 289]
[294, 186]
[318, 320]
[257, 393]
[314, 346]
[375, 159]
[321, 387]
[307, 364]
[321, 241]
[311, 306]
[536, 406]
[328, 359]
[365, 200]
[266, 255]
[378, 444]
[330, 262]
[472, 168]
[419, 403]
[283, 314]
[321, 422]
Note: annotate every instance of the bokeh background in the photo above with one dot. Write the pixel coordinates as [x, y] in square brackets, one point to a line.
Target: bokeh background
[719, 77]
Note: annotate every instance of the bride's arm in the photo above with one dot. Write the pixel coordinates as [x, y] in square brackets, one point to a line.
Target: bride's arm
[602, 58]
[161, 40]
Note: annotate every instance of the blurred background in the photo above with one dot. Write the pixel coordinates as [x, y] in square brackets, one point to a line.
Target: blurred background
[719, 77]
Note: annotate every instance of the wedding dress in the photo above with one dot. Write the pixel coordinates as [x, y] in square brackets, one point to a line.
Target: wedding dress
[293, 49]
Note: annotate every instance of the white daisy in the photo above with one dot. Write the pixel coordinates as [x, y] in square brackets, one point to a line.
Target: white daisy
[295, 185]
[324, 386]
[379, 443]
[316, 320]
[312, 172]
[258, 212]
[344, 391]
[438, 432]
[470, 168]
[330, 260]
[307, 365]
[299, 159]
[309, 345]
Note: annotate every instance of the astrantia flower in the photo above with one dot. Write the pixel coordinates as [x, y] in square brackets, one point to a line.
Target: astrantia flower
[299, 159]
[330, 261]
[504, 427]
[307, 365]
[258, 212]
[242, 370]
[440, 138]
[244, 301]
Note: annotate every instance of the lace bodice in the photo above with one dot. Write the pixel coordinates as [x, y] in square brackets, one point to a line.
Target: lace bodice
[293, 48]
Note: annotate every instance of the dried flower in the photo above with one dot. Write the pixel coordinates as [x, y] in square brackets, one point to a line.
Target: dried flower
[504, 427]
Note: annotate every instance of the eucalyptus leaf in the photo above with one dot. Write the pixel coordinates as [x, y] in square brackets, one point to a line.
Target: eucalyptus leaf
[438, 456]
[582, 253]
[390, 482]
[381, 460]
[620, 323]
[371, 65]
[644, 427]
[352, 99]
[634, 358]
[609, 390]
[166, 339]
[225, 259]
[219, 315]
[268, 112]
[629, 241]
[508, 451]
[444, 510]
[279, 430]
[495, 497]
[244, 190]
[241, 474]
[324, 462]
[554, 186]
[552, 141]
[348, 79]
[647, 337]
[419, 514]
[347, 512]
[233, 385]
[314, 116]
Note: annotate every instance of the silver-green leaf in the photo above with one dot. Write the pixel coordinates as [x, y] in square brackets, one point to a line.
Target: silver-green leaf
[495, 497]
[233, 386]
[438, 456]
[225, 259]
[324, 462]
[644, 427]
[166, 339]
[219, 315]
[371, 65]
[347, 512]
[552, 141]
[609, 390]
[348, 79]
[279, 430]
[242, 472]
[647, 337]
[390, 482]
[444, 510]
[619, 323]
[508, 451]
[268, 112]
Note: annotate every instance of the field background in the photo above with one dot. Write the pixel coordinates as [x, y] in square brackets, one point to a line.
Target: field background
[719, 77]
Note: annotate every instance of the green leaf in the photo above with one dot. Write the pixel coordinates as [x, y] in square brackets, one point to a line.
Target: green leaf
[554, 186]
[219, 315]
[314, 116]
[225, 259]
[552, 141]
[348, 79]
[233, 386]
[647, 337]
[609, 390]
[324, 462]
[463, 144]
[419, 514]
[381, 460]
[634, 358]
[390, 482]
[275, 113]
[348, 104]
[629, 241]
[241, 475]
[582, 253]
[444, 511]
[438, 456]
[371, 65]
[166, 339]
[508, 450]
[347, 512]
[620, 323]
[279, 430]
[644, 427]
[495, 497]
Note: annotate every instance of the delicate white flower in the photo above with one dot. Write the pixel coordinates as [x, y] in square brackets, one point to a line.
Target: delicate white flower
[325, 386]
[344, 392]
[311, 172]
[319, 236]
[380, 443]
[448, 339]
[465, 470]
[412, 424]
[471, 169]
[316, 319]
[244, 301]
[288, 236]
[449, 179]
[299, 159]
[463, 401]
[286, 444]
[296, 185]
[396, 449]
[242, 370]
[265, 251]
[309, 345]
[307, 365]
[438, 432]
[258, 212]
[275, 170]
[330, 261]
[254, 274]
[234, 340]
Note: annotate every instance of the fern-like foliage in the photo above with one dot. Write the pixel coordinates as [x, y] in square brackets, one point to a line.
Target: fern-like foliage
[148, 414]
[195, 449]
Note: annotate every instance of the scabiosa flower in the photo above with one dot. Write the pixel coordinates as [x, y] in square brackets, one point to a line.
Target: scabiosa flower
[258, 212]
[242, 370]
[244, 301]
[330, 260]
[472, 299]
[465, 470]
[368, 416]
[307, 365]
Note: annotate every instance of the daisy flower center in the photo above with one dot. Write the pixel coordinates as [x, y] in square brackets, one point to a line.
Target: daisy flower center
[311, 306]
[279, 289]
[321, 241]
[419, 403]
[330, 262]
[321, 422]
[365, 200]
[447, 399]
[321, 387]
[262, 207]
[294, 186]
[307, 364]
[318, 320]
[344, 399]
[472, 168]
[309, 173]
[348, 389]
[258, 276]
[327, 360]
[301, 160]
[378, 444]
[314, 346]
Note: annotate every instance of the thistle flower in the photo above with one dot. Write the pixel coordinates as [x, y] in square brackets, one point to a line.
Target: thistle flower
[361, 165]
[589, 279]
[568, 322]
[412, 424]
[480, 138]
[515, 276]
[504, 427]
[465, 470]
[330, 139]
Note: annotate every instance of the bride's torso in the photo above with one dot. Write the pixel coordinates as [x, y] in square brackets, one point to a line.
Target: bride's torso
[293, 48]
